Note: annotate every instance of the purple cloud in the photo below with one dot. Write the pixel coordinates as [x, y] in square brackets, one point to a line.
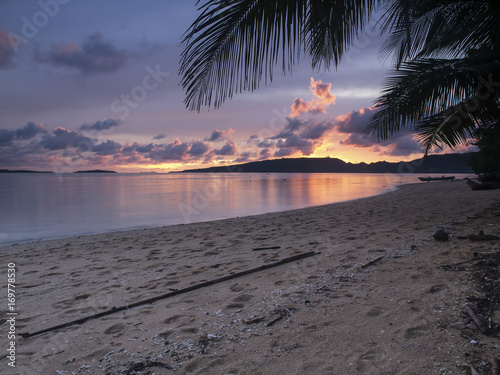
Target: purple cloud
[93, 56]
[63, 146]
[29, 131]
[106, 148]
[302, 136]
[219, 135]
[405, 146]
[316, 131]
[244, 157]
[101, 125]
[296, 143]
[358, 140]
[264, 154]
[354, 123]
[174, 150]
[198, 148]
[282, 152]
[228, 149]
[63, 138]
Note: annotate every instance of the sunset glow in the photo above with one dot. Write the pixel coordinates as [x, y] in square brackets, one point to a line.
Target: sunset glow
[115, 103]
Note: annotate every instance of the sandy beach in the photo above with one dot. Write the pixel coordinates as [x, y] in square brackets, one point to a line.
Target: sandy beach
[325, 314]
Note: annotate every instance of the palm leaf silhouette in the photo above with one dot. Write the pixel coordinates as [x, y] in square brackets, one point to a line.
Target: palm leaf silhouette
[233, 45]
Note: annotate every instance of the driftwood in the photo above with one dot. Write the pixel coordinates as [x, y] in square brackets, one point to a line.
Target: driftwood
[281, 314]
[479, 237]
[373, 261]
[495, 366]
[171, 294]
[267, 248]
[254, 320]
[483, 186]
[481, 325]
[448, 267]
[274, 321]
[482, 237]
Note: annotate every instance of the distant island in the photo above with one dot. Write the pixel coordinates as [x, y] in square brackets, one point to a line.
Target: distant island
[95, 171]
[21, 171]
[446, 163]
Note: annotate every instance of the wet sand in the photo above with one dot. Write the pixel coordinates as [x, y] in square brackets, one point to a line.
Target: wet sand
[324, 314]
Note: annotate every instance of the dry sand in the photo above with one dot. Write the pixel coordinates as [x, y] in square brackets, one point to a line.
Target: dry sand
[401, 315]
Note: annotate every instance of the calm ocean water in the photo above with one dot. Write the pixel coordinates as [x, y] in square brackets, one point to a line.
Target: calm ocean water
[43, 206]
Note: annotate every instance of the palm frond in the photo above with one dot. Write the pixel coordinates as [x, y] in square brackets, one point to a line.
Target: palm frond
[331, 26]
[227, 42]
[427, 87]
[233, 45]
[461, 123]
[439, 28]
[450, 129]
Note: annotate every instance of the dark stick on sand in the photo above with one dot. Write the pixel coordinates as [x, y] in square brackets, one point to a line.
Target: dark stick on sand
[373, 261]
[267, 248]
[171, 294]
[481, 325]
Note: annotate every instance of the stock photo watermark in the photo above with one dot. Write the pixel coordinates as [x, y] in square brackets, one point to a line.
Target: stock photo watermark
[11, 315]
[139, 93]
[31, 26]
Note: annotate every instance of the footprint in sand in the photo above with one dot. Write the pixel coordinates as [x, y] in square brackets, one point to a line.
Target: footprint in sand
[172, 319]
[240, 301]
[235, 306]
[371, 359]
[163, 335]
[414, 332]
[115, 328]
[30, 272]
[211, 253]
[191, 330]
[154, 252]
[238, 287]
[82, 296]
[170, 283]
[375, 311]
[436, 288]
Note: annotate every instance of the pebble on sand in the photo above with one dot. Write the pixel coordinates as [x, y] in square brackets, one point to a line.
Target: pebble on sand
[440, 235]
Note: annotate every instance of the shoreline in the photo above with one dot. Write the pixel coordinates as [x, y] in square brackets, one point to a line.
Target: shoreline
[197, 204]
[28, 241]
[324, 314]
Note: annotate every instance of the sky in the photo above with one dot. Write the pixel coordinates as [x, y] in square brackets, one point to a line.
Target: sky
[95, 85]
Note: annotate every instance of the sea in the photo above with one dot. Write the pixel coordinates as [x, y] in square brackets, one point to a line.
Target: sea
[47, 206]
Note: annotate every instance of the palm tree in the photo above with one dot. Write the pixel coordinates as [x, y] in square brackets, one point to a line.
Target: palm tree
[447, 71]
[446, 56]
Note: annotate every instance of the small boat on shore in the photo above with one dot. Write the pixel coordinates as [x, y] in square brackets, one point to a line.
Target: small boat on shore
[442, 178]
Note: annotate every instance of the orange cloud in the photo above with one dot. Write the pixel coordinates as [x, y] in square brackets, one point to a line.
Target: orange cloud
[322, 91]
[322, 100]
[299, 107]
